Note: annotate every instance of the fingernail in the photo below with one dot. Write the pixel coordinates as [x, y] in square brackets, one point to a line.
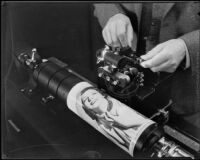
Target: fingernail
[143, 65]
[143, 56]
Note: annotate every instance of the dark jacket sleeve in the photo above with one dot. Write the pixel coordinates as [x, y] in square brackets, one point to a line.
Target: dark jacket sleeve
[186, 84]
[104, 11]
[192, 42]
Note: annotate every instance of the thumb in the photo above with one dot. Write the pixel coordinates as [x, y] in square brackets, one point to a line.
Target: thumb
[153, 52]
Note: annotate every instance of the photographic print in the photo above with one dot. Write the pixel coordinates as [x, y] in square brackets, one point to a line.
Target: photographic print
[119, 123]
[101, 79]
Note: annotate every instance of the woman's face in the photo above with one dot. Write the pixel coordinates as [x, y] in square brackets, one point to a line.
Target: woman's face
[94, 100]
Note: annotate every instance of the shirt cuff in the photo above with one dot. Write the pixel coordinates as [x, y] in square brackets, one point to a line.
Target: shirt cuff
[187, 65]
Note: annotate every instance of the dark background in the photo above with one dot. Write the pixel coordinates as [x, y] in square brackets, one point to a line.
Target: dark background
[71, 33]
[68, 31]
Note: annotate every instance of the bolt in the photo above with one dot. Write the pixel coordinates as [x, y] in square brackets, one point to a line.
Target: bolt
[145, 38]
[50, 97]
[34, 50]
[115, 82]
[35, 66]
[100, 74]
[44, 100]
[126, 72]
[141, 80]
[44, 60]
[28, 62]
[106, 47]
[33, 54]
[116, 53]
[107, 78]
[22, 90]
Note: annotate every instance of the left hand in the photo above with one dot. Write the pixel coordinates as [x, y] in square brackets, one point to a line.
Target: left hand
[165, 57]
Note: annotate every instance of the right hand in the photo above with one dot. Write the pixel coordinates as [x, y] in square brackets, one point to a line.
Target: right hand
[118, 32]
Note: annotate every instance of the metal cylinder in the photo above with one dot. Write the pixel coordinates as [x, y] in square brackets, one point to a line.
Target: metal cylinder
[57, 79]
[113, 59]
[66, 85]
[124, 126]
[46, 73]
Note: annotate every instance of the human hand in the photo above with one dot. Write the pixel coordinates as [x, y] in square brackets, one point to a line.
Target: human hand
[118, 32]
[165, 57]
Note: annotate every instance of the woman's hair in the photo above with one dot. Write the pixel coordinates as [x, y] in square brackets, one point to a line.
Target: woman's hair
[90, 112]
[94, 88]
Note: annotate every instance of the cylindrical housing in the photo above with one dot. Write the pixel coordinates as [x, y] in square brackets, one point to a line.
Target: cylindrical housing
[46, 73]
[124, 126]
[55, 78]
[66, 85]
[119, 123]
[114, 59]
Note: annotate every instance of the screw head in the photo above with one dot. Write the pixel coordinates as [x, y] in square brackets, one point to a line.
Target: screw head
[107, 78]
[115, 82]
[22, 90]
[100, 74]
[34, 50]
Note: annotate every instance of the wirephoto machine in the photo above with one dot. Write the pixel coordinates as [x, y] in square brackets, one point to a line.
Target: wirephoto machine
[112, 106]
[66, 94]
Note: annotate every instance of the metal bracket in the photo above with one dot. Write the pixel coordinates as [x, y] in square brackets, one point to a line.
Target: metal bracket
[162, 116]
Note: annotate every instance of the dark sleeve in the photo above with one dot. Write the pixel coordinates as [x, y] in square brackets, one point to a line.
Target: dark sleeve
[104, 11]
[191, 40]
[185, 86]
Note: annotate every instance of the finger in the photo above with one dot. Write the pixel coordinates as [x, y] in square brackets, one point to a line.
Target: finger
[157, 60]
[134, 42]
[162, 67]
[112, 30]
[152, 53]
[106, 36]
[121, 33]
[130, 35]
[109, 38]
